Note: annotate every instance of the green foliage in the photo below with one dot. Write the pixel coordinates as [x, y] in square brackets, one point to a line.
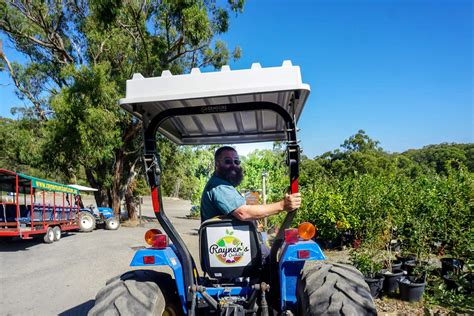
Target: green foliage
[441, 157]
[367, 260]
[459, 299]
[79, 55]
[185, 169]
[273, 163]
[20, 143]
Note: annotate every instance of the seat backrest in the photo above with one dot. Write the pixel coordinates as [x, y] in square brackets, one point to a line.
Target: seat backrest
[10, 211]
[24, 210]
[229, 248]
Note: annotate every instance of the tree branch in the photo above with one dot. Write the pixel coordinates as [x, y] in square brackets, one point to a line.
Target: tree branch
[37, 105]
[186, 51]
[55, 41]
[142, 37]
[131, 131]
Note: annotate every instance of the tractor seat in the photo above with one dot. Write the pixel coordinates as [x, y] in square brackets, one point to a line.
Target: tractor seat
[230, 248]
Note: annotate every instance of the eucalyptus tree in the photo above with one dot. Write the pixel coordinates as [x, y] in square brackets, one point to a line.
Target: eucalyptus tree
[79, 53]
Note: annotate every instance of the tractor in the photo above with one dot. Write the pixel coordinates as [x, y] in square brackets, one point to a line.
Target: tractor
[93, 216]
[228, 107]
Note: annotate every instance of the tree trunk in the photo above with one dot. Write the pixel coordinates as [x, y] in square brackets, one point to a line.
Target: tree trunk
[130, 203]
[177, 187]
[129, 188]
[116, 192]
[100, 195]
[118, 169]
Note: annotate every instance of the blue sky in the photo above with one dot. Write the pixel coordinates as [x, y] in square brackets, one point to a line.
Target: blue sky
[400, 70]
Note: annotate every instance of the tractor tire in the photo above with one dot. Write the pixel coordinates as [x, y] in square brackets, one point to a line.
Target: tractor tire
[49, 236]
[139, 292]
[86, 222]
[112, 223]
[57, 233]
[333, 289]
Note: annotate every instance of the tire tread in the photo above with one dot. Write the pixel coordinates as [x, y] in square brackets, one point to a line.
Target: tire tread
[135, 293]
[333, 289]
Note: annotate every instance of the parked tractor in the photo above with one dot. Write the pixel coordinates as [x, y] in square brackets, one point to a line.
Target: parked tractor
[228, 107]
[93, 216]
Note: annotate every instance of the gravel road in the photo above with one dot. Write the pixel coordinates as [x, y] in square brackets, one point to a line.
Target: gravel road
[63, 278]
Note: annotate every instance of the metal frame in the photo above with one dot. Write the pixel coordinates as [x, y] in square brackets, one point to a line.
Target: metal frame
[153, 172]
[32, 227]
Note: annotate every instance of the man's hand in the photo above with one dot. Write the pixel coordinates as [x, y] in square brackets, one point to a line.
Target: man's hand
[252, 212]
[291, 202]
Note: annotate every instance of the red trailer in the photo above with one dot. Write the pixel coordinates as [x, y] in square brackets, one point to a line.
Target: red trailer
[31, 206]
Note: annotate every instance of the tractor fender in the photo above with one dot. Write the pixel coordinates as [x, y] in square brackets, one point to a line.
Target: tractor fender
[107, 212]
[162, 257]
[292, 259]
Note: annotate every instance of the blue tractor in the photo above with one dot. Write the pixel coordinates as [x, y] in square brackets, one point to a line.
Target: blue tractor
[226, 107]
[93, 216]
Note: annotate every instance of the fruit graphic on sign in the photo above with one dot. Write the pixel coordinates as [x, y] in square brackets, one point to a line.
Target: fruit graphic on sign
[228, 249]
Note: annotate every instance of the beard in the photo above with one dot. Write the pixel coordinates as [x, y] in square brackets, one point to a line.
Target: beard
[233, 175]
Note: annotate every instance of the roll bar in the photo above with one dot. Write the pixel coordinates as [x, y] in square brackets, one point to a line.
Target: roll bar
[153, 173]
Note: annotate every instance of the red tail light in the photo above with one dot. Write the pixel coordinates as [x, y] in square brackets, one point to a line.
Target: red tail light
[160, 241]
[303, 254]
[291, 236]
[149, 259]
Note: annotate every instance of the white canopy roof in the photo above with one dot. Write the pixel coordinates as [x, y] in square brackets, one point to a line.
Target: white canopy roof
[148, 97]
[82, 188]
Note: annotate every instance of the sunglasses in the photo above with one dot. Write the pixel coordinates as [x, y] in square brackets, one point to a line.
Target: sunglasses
[230, 161]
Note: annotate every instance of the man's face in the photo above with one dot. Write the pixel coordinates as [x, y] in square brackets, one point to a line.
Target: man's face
[228, 167]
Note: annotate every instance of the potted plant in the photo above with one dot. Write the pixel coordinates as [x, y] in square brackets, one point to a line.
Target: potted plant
[368, 261]
[413, 285]
[392, 273]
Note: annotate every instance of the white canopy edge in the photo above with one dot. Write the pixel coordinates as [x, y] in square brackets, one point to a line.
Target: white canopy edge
[226, 82]
[82, 188]
[146, 98]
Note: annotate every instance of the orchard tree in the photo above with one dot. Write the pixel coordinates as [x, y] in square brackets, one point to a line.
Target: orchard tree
[79, 55]
[272, 162]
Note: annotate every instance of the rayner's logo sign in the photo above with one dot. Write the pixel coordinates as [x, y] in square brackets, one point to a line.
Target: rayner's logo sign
[229, 249]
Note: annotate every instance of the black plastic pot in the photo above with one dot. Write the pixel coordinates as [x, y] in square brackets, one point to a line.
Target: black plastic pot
[396, 265]
[451, 284]
[390, 284]
[375, 284]
[411, 265]
[411, 291]
[408, 257]
[451, 265]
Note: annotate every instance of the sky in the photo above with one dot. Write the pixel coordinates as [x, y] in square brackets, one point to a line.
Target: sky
[400, 70]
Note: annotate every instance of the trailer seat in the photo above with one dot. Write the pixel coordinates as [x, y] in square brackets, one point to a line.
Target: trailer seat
[60, 213]
[10, 212]
[24, 214]
[38, 211]
[24, 210]
[230, 248]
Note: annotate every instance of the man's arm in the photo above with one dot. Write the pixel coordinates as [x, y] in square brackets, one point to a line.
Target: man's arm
[253, 212]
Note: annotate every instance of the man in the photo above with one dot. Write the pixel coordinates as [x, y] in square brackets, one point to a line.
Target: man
[221, 198]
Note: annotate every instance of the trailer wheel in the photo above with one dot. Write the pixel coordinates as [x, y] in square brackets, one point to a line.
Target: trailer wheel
[112, 223]
[333, 289]
[86, 222]
[139, 292]
[49, 236]
[57, 233]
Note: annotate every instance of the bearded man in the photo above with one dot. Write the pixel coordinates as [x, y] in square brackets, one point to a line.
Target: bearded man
[220, 196]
